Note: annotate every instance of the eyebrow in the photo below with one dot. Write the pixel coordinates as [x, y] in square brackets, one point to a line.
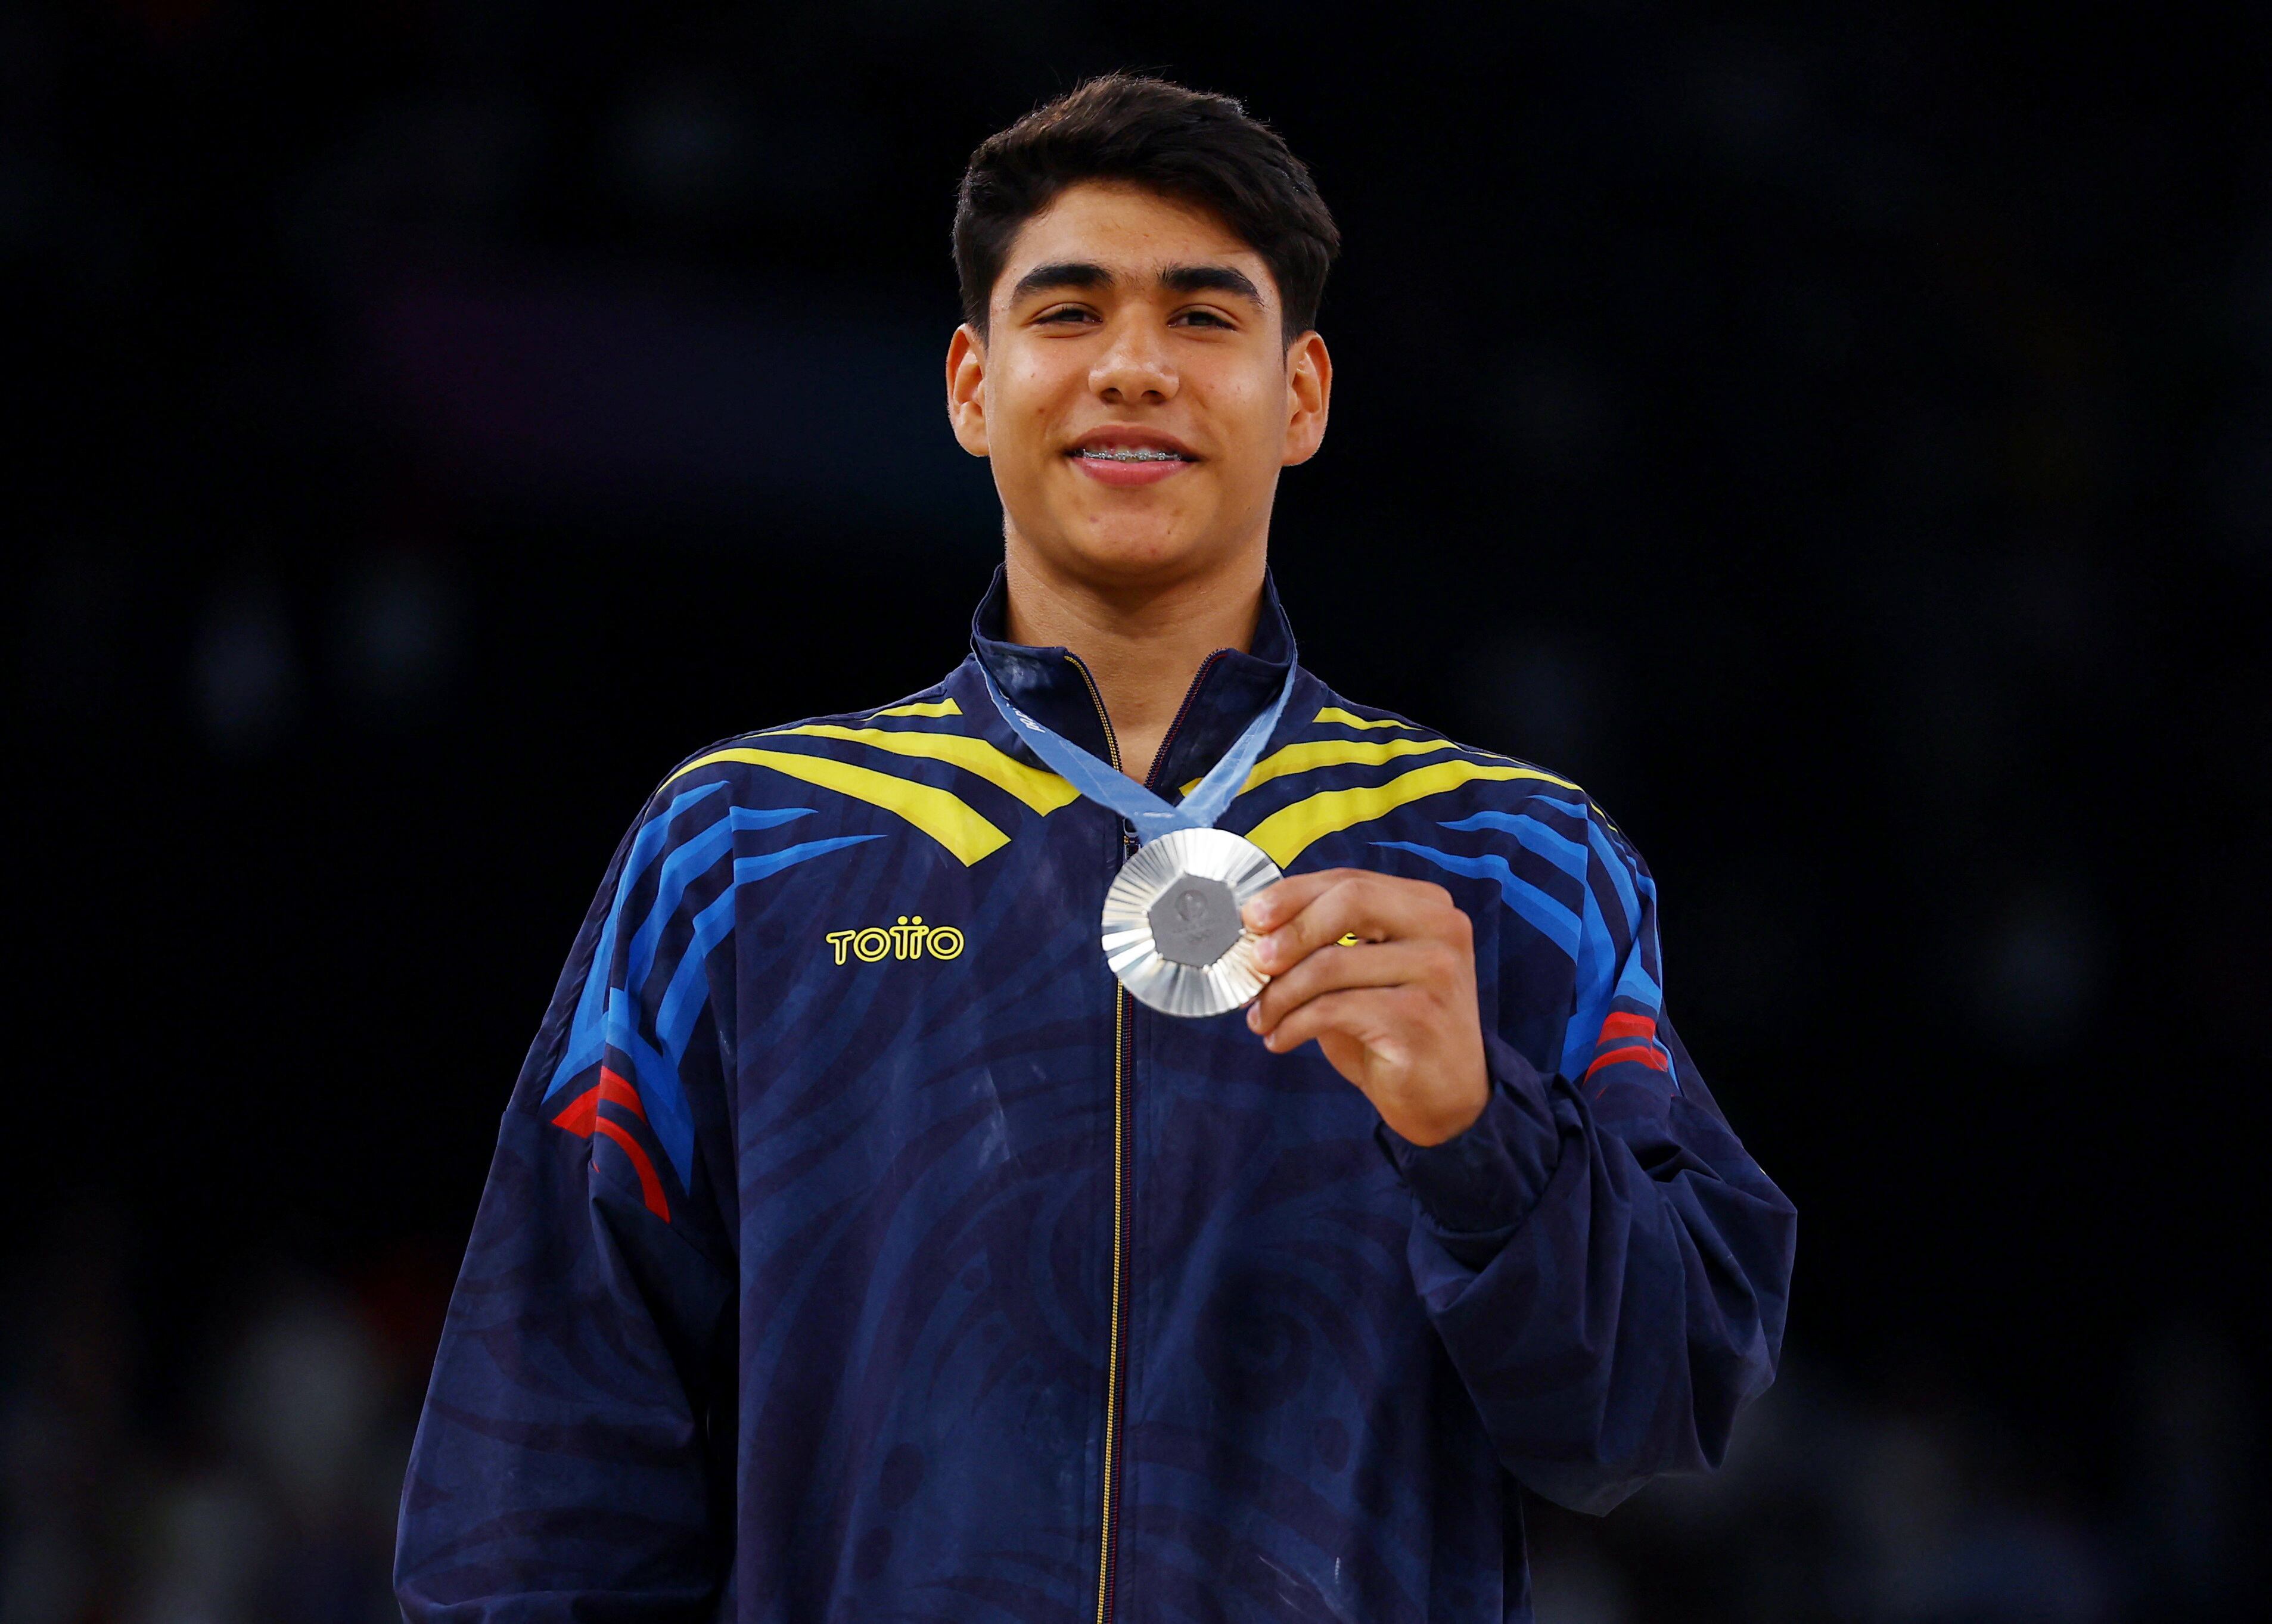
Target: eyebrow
[1211, 278]
[1044, 278]
[1176, 279]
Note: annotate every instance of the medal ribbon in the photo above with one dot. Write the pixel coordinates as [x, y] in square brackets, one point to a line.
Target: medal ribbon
[1098, 780]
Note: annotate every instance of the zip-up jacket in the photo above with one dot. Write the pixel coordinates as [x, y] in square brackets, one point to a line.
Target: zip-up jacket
[855, 1250]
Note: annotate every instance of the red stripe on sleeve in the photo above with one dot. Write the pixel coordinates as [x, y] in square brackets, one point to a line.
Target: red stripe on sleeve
[616, 1090]
[650, 1185]
[1621, 1024]
[1648, 1057]
[582, 1112]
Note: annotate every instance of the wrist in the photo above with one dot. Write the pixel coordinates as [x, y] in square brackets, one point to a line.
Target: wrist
[1442, 1115]
[1474, 1186]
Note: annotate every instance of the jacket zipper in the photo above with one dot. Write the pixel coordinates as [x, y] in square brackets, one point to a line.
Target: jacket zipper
[1168, 739]
[1108, 1562]
[1108, 1557]
[1108, 1519]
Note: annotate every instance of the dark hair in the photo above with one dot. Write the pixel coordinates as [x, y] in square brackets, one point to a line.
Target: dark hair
[1198, 149]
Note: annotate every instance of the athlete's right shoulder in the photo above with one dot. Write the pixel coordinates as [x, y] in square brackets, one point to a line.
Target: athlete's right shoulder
[922, 763]
[743, 757]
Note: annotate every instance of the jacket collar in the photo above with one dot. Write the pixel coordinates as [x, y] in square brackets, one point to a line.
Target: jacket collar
[1052, 687]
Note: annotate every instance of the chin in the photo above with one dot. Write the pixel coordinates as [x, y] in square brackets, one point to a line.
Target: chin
[1135, 553]
[1126, 538]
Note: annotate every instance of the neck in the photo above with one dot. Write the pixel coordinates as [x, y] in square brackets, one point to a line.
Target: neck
[1142, 641]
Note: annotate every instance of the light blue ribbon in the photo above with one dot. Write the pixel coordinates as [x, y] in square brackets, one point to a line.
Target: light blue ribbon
[1152, 817]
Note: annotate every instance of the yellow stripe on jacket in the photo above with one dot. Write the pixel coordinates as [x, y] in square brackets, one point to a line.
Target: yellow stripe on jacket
[1289, 831]
[944, 817]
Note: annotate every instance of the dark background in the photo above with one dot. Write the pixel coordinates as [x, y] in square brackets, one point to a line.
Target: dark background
[1841, 436]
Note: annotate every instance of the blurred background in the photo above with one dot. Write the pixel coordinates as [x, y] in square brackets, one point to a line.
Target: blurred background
[1840, 436]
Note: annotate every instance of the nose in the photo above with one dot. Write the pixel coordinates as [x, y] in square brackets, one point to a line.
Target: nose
[1135, 367]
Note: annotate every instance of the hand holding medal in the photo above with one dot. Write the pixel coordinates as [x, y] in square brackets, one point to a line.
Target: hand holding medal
[1381, 972]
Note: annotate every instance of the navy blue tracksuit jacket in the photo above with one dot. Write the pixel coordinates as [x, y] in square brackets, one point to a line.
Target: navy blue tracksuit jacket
[855, 1250]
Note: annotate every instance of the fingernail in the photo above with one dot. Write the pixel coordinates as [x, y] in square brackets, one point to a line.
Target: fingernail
[1254, 1018]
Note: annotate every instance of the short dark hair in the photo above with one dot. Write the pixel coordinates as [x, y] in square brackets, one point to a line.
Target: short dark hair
[1197, 148]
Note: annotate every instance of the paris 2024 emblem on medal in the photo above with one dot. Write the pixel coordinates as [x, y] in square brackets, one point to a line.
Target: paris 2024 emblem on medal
[1171, 927]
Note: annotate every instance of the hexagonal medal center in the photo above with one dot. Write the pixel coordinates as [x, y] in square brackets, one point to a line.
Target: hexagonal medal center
[1195, 921]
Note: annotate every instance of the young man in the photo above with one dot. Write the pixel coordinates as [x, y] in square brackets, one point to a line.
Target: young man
[858, 1249]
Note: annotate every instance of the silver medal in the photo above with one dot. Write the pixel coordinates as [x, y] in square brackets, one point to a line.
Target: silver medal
[1172, 932]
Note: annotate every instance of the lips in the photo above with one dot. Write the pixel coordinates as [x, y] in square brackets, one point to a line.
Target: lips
[1128, 456]
[1130, 453]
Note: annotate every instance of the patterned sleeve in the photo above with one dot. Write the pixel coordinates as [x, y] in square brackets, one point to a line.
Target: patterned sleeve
[1607, 1266]
[563, 1465]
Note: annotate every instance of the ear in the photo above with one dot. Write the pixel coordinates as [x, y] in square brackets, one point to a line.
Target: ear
[966, 388]
[1308, 393]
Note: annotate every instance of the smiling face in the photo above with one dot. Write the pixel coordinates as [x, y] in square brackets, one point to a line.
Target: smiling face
[1134, 390]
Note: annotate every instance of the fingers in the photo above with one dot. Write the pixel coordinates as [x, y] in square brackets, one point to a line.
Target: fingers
[1298, 916]
[1363, 1013]
[1289, 896]
[1337, 968]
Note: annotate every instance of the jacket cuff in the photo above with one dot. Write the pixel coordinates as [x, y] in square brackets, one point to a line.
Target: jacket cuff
[1481, 1183]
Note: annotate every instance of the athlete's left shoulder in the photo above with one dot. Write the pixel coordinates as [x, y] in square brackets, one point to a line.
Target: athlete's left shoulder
[1343, 771]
